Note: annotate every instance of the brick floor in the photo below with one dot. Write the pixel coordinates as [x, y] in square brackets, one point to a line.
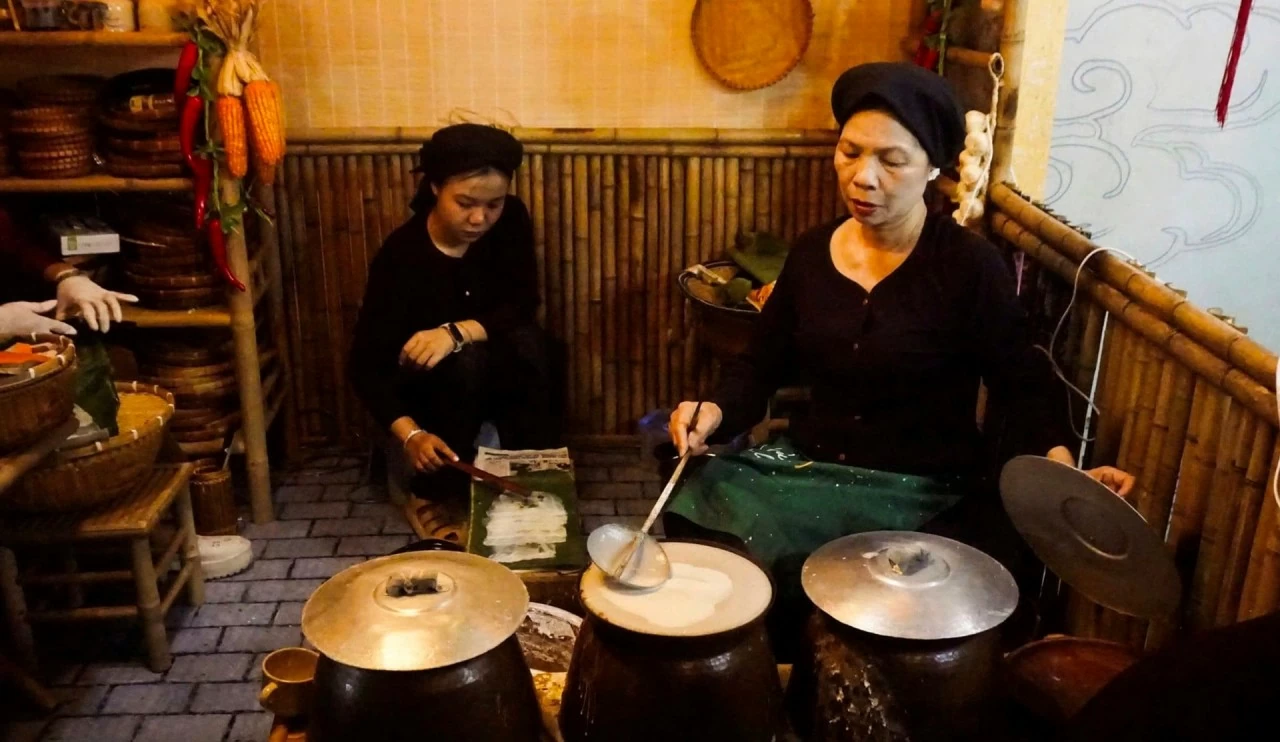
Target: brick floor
[329, 521]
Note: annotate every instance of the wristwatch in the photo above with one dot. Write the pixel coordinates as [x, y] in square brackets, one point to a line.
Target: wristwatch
[456, 334]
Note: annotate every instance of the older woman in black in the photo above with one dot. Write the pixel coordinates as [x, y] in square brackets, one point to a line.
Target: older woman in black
[446, 337]
[894, 314]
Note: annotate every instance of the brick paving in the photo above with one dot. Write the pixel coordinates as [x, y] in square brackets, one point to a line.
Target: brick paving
[330, 520]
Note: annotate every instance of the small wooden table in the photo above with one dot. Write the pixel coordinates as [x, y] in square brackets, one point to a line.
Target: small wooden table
[133, 518]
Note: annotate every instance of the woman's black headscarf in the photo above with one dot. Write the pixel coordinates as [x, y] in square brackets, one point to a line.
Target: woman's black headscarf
[463, 148]
[920, 100]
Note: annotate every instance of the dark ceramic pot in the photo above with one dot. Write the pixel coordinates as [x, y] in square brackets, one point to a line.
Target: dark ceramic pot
[849, 684]
[484, 699]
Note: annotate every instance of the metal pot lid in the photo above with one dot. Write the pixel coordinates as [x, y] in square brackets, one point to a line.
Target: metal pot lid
[415, 611]
[1093, 540]
[909, 585]
[711, 590]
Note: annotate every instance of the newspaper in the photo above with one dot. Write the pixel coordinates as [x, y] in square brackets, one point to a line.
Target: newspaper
[514, 463]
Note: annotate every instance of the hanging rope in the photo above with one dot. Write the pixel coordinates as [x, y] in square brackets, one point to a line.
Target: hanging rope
[1233, 60]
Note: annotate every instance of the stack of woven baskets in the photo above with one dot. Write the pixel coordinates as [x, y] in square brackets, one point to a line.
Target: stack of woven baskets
[139, 122]
[52, 128]
[34, 404]
[166, 262]
[197, 367]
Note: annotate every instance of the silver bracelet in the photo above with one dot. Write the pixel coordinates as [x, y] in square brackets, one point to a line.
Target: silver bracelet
[412, 433]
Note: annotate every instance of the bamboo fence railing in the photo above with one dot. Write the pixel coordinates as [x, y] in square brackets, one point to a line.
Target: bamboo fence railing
[617, 215]
[1186, 402]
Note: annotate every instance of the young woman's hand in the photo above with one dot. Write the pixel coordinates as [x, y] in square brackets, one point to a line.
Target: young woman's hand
[426, 349]
[427, 453]
[695, 440]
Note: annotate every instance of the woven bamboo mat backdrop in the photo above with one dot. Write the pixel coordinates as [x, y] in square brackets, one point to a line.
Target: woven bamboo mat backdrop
[1186, 403]
[615, 222]
[345, 63]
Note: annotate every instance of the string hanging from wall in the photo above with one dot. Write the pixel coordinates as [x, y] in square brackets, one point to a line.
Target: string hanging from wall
[1233, 60]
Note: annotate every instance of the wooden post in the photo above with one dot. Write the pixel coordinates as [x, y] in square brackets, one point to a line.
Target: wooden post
[191, 546]
[248, 374]
[16, 610]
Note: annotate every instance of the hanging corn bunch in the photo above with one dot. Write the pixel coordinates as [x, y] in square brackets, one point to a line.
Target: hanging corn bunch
[250, 113]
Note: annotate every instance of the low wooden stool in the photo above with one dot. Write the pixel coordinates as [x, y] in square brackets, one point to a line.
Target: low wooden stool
[133, 518]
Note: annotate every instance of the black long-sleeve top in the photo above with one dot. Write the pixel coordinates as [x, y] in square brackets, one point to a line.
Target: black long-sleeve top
[413, 286]
[895, 372]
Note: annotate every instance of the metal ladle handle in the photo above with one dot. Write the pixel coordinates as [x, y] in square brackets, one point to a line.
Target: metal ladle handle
[675, 477]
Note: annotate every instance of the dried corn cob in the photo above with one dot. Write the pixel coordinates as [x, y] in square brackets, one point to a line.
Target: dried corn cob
[231, 124]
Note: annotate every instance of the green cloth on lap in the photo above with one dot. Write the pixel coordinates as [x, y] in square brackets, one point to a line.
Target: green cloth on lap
[785, 506]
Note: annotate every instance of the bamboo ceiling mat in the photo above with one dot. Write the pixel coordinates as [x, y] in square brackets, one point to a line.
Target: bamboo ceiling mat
[134, 515]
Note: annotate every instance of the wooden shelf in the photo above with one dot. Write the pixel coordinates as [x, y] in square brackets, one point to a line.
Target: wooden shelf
[134, 39]
[92, 183]
[152, 318]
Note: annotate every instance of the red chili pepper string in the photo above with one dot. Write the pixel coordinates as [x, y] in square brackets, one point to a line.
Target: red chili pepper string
[1233, 59]
[187, 61]
[218, 248]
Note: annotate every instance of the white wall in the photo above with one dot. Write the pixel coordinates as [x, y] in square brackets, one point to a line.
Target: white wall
[1138, 157]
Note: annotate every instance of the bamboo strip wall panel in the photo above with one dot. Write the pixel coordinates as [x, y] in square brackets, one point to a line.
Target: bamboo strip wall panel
[615, 221]
[1185, 404]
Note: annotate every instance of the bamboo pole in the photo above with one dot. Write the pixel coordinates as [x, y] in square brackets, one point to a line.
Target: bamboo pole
[270, 234]
[719, 210]
[955, 54]
[1169, 430]
[1215, 537]
[1013, 34]
[312, 286]
[686, 230]
[1259, 399]
[569, 277]
[1261, 593]
[611, 316]
[764, 179]
[537, 205]
[653, 224]
[1160, 300]
[624, 289]
[1243, 524]
[1112, 396]
[1141, 388]
[248, 376]
[832, 202]
[747, 217]
[411, 138]
[639, 197]
[777, 170]
[582, 285]
[591, 185]
[813, 216]
[555, 282]
[732, 202]
[789, 203]
[661, 327]
[293, 216]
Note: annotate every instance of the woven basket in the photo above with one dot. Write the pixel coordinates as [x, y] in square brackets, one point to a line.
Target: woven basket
[751, 44]
[83, 477]
[31, 409]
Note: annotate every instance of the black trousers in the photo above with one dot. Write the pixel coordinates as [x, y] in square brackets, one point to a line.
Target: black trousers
[507, 380]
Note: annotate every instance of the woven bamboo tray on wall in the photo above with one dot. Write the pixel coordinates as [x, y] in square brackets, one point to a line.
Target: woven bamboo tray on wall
[618, 214]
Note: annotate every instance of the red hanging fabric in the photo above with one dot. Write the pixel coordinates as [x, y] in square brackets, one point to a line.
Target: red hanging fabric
[1233, 59]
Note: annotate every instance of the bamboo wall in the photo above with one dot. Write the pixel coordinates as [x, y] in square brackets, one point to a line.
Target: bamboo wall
[617, 215]
[1186, 403]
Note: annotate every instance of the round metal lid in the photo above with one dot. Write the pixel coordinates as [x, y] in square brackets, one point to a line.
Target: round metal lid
[711, 590]
[1092, 539]
[909, 585]
[415, 611]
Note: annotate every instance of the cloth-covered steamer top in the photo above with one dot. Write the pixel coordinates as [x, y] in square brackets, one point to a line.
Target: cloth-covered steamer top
[711, 591]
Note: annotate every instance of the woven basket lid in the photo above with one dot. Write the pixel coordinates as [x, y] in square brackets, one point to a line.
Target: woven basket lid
[751, 44]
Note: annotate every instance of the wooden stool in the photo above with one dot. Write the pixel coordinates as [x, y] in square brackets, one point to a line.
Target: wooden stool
[133, 518]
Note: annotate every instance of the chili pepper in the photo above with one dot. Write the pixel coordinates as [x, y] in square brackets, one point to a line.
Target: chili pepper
[192, 107]
[187, 61]
[218, 247]
[925, 55]
[203, 171]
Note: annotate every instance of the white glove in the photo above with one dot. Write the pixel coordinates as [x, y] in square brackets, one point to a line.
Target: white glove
[24, 318]
[80, 295]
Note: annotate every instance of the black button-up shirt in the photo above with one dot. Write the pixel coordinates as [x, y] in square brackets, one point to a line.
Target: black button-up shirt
[895, 371]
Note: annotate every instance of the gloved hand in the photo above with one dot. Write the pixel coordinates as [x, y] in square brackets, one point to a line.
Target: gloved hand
[24, 318]
[80, 295]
